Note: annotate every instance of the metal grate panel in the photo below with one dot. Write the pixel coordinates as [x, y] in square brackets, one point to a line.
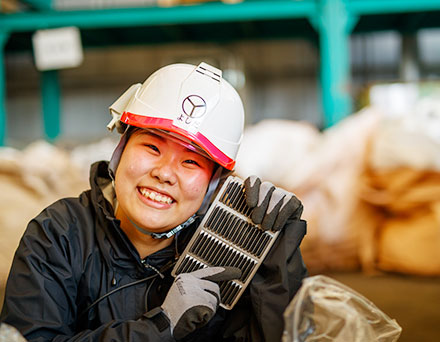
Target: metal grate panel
[228, 237]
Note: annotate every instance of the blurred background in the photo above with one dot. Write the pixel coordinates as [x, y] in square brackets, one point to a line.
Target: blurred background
[342, 102]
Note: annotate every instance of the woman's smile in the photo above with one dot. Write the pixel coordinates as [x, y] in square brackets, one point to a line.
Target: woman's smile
[155, 196]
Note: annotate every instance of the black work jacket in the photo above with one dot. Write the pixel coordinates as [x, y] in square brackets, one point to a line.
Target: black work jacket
[77, 277]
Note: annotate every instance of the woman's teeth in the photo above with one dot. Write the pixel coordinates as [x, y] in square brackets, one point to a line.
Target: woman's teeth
[155, 196]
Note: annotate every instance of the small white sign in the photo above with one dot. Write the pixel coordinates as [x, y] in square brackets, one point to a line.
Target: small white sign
[57, 48]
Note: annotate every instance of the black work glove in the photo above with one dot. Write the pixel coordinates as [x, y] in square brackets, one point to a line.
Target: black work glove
[272, 206]
[194, 298]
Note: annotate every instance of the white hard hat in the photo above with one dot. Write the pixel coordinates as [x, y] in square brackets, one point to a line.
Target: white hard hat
[193, 102]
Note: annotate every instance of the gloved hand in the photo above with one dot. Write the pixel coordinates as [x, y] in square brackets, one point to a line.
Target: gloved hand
[194, 298]
[8, 333]
[273, 206]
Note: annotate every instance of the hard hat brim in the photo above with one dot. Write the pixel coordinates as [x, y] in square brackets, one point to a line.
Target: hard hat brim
[166, 124]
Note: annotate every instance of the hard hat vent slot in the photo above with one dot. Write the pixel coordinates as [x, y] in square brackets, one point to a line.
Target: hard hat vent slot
[215, 75]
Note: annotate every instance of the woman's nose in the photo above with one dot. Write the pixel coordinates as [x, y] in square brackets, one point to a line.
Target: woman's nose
[164, 171]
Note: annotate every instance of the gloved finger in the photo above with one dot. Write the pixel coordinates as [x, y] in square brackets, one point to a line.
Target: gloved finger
[266, 190]
[220, 273]
[292, 208]
[273, 208]
[196, 282]
[251, 190]
[213, 293]
[214, 298]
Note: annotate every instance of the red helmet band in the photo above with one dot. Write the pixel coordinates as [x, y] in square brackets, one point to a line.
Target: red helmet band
[167, 124]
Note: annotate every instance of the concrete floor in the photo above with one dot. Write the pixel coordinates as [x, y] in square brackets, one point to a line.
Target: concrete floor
[414, 302]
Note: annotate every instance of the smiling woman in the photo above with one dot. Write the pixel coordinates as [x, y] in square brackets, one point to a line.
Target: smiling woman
[98, 267]
[159, 184]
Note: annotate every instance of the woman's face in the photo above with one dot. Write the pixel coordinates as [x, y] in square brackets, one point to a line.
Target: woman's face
[160, 183]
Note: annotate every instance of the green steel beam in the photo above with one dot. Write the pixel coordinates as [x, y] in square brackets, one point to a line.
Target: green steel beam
[334, 25]
[210, 12]
[364, 7]
[126, 17]
[3, 121]
[50, 99]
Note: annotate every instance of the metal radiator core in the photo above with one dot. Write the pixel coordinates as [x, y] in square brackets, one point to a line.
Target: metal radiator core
[228, 237]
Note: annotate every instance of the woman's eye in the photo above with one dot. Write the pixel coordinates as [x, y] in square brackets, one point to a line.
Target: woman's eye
[152, 147]
[190, 161]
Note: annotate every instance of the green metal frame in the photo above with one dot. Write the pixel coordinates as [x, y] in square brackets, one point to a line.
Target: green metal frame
[334, 25]
[332, 19]
[195, 14]
[51, 103]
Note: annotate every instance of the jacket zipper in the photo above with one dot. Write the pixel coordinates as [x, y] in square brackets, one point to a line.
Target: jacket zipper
[148, 266]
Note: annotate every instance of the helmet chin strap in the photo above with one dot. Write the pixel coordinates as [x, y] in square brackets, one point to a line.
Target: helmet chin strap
[168, 234]
[219, 173]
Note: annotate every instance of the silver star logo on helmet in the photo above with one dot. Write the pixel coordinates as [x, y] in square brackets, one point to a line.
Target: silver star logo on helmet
[194, 106]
